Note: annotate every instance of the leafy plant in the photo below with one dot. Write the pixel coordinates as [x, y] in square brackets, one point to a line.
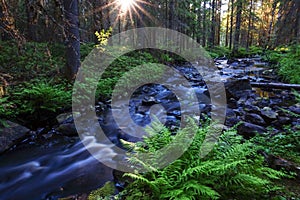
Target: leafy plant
[107, 190]
[287, 62]
[42, 96]
[284, 144]
[218, 51]
[232, 169]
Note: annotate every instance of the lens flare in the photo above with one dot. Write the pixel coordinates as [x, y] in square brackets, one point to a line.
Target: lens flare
[125, 5]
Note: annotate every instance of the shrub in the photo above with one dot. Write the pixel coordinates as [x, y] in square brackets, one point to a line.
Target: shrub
[287, 62]
[232, 169]
[284, 144]
[41, 96]
[218, 51]
[36, 59]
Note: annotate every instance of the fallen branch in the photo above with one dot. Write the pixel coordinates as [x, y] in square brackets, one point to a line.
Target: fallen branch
[276, 86]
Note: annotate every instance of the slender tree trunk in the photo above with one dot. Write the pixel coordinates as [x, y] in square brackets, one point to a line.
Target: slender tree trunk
[213, 24]
[200, 29]
[73, 39]
[171, 14]
[249, 25]
[227, 25]
[231, 24]
[236, 41]
[297, 22]
[272, 22]
[32, 20]
[204, 24]
[218, 33]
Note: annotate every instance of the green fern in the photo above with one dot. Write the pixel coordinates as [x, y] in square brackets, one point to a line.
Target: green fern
[232, 168]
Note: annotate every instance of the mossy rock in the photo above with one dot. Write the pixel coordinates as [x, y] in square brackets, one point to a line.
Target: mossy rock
[107, 190]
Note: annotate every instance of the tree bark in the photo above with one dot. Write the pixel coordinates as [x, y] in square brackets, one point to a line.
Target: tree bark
[204, 24]
[73, 38]
[231, 24]
[213, 24]
[276, 86]
[236, 41]
[249, 26]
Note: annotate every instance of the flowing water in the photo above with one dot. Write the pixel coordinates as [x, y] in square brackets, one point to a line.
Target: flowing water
[63, 166]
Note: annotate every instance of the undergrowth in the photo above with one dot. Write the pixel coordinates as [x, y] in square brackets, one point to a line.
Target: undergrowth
[286, 61]
[232, 169]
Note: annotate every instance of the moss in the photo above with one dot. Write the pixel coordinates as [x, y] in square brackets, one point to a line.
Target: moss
[107, 190]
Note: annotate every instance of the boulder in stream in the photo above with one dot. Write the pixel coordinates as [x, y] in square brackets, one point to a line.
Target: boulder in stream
[248, 130]
[10, 134]
[237, 88]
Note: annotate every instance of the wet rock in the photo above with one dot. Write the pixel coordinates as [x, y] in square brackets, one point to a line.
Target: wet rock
[237, 88]
[295, 109]
[150, 100]
[279, 163]
[268, 114]
[231, 118]
[282, 121]
[143, 109]
[67, 129]
[248, 130]
[232, 103]
[11, 134]
[255, 119]
[252, 109]
[63, 117]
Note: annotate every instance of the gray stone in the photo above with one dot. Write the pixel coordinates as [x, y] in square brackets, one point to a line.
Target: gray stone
[255, 119]
[237, 88]
[268, 114]
[67, 129]
[11, 134]
[248, 130]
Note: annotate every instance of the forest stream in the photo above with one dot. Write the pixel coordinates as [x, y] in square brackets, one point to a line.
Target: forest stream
[52, 163]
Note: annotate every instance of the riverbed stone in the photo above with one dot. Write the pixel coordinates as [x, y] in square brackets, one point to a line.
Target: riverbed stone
[237, 88]
[268, 114]
[248, 130]
[11, 134]
[255, 119]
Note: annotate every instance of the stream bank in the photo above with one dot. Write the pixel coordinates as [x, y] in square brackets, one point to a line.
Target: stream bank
[51, 162]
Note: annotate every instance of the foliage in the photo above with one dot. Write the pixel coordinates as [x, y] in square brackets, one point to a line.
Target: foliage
[287, 62]
[232, 169]
[35, 60]
[218, 51]
[107, 190]
[103, 37]
[284, 144]
[289, 66]
[139, 64]
[253, 50]
[41, 96]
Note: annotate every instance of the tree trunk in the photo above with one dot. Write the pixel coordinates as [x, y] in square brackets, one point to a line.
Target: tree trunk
[297, 22]
[204, 24]
[227, 25]
[32, 20]
[231, 24]
[236, 41]
[171, 14]
[213, 24]
[249, 26]
[276, 86]
[272, 22]
[218, 19]
[73, 38]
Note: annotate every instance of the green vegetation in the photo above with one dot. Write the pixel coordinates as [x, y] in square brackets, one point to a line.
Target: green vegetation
[232, 169]
[107, 190]
[284, 144]
[35, 98]
[287, 62]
